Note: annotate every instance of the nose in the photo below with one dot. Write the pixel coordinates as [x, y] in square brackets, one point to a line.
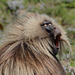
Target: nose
[57, 32]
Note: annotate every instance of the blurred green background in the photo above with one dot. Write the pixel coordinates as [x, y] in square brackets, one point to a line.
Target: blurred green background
[63, 11]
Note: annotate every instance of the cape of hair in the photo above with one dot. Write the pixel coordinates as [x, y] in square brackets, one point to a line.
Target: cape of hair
[25, 50]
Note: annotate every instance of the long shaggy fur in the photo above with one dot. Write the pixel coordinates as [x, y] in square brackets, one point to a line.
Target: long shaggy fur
[25, 50]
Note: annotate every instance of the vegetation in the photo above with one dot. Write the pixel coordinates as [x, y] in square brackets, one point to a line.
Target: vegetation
[63, 11]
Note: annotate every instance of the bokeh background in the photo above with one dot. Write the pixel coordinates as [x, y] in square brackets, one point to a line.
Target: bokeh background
[63, 11]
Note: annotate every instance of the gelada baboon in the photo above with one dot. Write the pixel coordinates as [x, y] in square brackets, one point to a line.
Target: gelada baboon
[29, 46]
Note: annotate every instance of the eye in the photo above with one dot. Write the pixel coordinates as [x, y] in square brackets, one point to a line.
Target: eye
[49, 24]
[45, 24]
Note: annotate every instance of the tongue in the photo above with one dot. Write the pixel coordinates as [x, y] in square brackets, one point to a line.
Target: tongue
[56, 42]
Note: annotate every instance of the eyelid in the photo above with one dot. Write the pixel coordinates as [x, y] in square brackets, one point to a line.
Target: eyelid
[46, 23]
[50, 22]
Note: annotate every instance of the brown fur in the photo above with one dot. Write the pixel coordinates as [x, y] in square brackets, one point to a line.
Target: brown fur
[25, 50]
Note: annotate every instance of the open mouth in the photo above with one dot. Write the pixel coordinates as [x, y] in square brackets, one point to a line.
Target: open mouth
[57, 40]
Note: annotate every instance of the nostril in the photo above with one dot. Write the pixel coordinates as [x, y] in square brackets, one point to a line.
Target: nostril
[54, 27]
[60, 34]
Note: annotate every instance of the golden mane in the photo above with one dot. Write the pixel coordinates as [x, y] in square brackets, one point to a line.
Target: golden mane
[25, 50]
